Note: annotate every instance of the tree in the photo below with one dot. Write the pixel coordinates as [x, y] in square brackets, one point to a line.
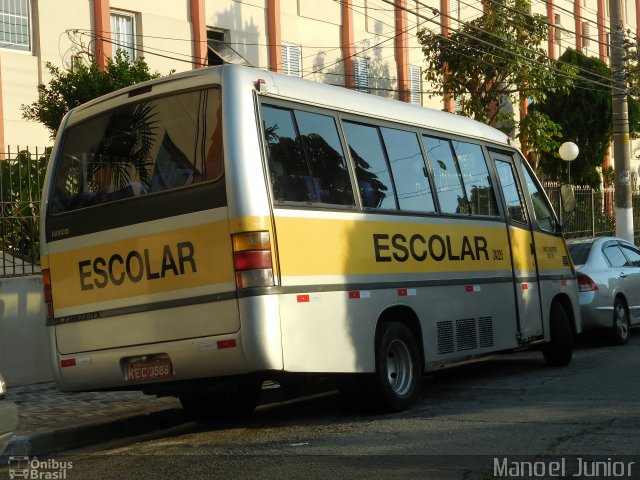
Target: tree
[584, 113]
[68, 89]
[488, 63]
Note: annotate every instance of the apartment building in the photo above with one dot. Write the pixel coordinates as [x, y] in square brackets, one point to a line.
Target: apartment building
[368, 45]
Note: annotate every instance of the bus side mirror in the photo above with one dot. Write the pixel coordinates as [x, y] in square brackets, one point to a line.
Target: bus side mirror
[568, 198]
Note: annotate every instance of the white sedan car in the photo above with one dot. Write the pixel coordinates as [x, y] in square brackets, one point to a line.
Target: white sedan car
[8, 417]
[609, 283]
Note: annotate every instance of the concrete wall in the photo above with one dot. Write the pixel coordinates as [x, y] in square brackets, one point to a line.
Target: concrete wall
[24, 342]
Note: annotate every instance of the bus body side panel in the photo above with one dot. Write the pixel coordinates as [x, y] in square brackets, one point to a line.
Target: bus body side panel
[556, 276]
[345, 269]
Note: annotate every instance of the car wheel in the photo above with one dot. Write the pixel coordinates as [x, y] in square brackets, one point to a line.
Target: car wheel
[398, 374]
[620, 331]
[559, 350]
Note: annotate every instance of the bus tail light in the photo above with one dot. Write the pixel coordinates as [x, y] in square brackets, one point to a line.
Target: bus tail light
[252, 259]
[48, 295]
[585, 284]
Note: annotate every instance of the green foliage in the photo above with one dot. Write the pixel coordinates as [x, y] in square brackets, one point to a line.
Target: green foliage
[491, 61]
[584, 113]
[68, 89]
[541, 133]
[21, 180]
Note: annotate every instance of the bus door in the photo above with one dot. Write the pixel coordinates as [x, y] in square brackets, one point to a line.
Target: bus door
[525, 272]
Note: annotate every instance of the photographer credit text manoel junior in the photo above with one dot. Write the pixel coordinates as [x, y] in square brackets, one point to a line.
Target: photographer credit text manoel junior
[561, 467]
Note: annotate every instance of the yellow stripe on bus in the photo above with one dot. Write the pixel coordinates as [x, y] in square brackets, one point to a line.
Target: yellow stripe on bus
[313, 246]
[179, 259]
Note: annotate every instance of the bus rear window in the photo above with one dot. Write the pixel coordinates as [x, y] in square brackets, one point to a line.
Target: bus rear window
[140, 148]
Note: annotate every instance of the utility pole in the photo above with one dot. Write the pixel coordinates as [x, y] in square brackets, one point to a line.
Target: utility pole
[621, 142]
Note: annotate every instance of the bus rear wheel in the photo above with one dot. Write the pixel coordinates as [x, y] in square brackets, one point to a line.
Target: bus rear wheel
[559, 350]
[232, 401]
[398, 374]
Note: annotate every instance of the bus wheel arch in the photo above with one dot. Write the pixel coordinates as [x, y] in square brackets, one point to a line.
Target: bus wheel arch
[558, 350]
[399, 360]
[565, 301]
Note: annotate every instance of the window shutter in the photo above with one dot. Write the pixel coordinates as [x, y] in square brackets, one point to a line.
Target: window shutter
[454, 9]
[362, 74]
[585, 33]
[415, 84]
[291, 60]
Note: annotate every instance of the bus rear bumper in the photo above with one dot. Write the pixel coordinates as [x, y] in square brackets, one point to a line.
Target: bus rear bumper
[190, 359]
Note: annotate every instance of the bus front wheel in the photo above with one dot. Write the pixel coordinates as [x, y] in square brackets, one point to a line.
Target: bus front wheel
[398, 374]
[559, 350]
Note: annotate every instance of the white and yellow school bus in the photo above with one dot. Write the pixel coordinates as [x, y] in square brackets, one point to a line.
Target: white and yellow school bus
[207, 230]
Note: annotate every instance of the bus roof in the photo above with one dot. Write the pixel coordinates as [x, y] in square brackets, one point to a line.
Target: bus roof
[322, 95]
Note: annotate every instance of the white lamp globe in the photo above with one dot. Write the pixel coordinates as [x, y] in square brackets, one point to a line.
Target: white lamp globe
[568, 151]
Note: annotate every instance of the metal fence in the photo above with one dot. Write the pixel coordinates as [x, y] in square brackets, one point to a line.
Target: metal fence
[22, 174]
[595, 211]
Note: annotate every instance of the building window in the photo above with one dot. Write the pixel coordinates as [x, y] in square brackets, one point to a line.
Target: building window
[585, 34]
[557, 31]
[123, 33]
[291, 60]
[15, 29]
[454, 9]
[415, 84]
[362, 74]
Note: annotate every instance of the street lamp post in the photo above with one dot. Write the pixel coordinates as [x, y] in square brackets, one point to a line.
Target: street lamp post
[568, 152]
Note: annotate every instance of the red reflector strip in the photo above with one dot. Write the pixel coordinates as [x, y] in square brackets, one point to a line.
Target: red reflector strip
[468, 288]
[525, 286]
[402, 292]
[564, 283]
[231, 343]
[302, 298]
[68, 362]
[354, 294]
[252, 259]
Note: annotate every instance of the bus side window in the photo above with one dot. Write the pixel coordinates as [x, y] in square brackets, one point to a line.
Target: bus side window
[542, 212]
[306, 162]
[475, 178]
[409, 172]
[286, 161]
[511, 192]
[372, 168]
[446, 175]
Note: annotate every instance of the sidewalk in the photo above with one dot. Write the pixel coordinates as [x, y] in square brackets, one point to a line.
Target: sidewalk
[51, 421]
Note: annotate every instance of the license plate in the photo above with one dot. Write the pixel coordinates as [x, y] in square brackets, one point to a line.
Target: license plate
[151, 369]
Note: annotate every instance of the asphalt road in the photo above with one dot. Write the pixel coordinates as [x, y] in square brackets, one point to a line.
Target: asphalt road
[509, 409]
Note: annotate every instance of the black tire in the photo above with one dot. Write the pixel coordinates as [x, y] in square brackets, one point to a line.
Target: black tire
[398, 378]
[621, 324]
[232, 401]
[559, 350]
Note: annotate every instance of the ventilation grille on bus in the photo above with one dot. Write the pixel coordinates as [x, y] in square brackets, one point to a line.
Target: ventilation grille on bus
[445, 338]
[468, 334]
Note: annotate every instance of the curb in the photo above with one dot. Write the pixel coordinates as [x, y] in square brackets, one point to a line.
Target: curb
[68, 438]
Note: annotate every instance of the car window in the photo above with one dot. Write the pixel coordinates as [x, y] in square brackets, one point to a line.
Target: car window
[632, 254]
[580, 252]
[615, 256]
